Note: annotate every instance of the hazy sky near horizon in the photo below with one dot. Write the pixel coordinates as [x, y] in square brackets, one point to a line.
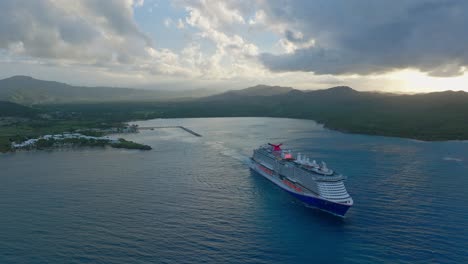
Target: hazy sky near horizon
[404, 45]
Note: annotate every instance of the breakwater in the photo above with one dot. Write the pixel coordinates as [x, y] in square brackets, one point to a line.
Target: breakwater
[180, 127]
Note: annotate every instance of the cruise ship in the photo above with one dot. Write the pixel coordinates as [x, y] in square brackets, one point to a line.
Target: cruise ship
[314, 184]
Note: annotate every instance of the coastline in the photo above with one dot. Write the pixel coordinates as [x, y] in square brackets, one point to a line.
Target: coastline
[438, 138]
[71, 140]
[44, 143]
[341, 129]
[126, 126]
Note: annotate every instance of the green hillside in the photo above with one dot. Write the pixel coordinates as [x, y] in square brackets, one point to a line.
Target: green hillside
[16, 110]
[432, 116]
[27, 90]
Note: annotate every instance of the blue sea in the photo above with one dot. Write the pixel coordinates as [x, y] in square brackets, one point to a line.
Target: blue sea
[194, 200]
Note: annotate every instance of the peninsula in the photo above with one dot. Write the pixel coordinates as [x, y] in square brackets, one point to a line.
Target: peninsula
[427, 116]
[27, 128]
[76, 140]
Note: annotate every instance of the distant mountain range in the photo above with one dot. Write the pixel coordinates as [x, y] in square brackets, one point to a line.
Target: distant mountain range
[430, 116]
[27, 90]
[258, 90]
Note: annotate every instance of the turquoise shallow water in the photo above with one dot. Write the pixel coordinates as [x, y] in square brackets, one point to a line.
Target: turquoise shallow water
[194, 200]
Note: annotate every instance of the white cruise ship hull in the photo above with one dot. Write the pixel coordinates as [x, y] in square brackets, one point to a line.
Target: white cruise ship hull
[308, 199]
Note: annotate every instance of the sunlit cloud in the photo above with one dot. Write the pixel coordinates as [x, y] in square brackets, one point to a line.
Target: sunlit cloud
[233, 44]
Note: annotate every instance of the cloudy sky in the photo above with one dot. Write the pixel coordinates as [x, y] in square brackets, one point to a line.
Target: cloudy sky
[404, 45]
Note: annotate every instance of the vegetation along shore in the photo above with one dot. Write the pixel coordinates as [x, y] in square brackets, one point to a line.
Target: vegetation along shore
[430, 116]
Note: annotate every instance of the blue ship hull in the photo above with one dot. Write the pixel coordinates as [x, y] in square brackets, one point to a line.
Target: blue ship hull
[310, 201]
[330, 207]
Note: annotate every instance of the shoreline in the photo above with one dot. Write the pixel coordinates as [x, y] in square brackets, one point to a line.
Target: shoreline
[72, 140]
[331, 128]
[128, 126]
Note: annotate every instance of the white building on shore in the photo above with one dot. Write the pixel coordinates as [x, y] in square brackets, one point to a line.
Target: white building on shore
[58, 137]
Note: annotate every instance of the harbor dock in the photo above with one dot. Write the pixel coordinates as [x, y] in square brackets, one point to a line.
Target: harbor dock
[181, 127]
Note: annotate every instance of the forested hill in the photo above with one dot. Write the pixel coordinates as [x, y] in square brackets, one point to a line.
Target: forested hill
[27, 90]
[431, 116]
[258, 90]
[15, 110]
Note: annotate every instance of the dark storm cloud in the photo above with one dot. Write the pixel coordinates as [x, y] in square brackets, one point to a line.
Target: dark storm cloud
[74, 30]
[372, 36]
[39, 27]
[121, 22]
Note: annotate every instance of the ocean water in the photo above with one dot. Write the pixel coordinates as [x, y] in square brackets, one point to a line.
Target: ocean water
[194, 200]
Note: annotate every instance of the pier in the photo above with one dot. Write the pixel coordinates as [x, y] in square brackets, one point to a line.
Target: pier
[181, 127]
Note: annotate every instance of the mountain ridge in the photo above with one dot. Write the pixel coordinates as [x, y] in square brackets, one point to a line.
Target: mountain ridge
[28, 90]
[425, 116]
[257, 90]
[10, 109]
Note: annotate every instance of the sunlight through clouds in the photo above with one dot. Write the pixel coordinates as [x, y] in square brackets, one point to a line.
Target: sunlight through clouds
[370, 45]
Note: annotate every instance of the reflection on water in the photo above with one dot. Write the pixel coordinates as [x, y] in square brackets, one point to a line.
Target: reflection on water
[193, 199]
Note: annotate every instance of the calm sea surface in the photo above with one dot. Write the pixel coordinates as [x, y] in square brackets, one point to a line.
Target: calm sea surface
[194, 200]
